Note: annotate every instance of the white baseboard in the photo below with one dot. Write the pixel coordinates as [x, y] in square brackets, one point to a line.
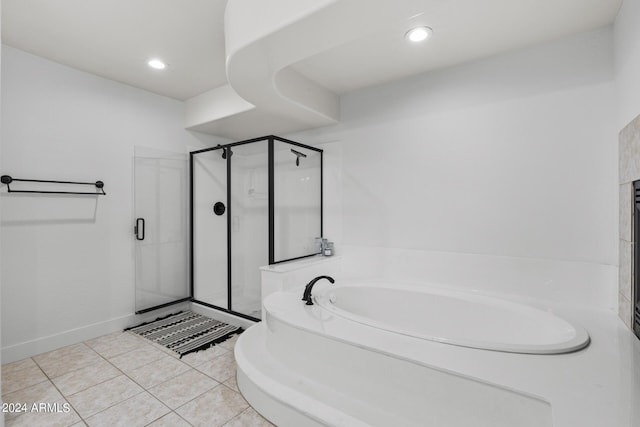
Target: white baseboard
[73, 336]
[30, 348]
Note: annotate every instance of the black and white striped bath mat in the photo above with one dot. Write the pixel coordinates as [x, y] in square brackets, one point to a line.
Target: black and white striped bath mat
[185, 332]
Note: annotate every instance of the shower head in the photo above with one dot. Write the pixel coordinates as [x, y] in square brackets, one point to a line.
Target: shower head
[298, 155]
[225, 151]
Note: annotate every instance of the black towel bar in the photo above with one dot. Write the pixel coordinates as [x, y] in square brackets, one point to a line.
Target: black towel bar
[6, 179]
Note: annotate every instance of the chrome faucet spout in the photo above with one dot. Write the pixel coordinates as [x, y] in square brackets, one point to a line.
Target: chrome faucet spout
[307, 289]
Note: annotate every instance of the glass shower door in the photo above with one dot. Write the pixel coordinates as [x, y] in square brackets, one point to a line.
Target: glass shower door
[160, 230]
[297, 200]
[210, 216]
[249, 230]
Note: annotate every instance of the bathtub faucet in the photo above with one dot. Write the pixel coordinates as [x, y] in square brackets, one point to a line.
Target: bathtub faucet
[307, 290]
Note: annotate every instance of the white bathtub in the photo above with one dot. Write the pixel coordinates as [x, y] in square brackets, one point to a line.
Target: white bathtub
[306, 366]
[311, 366]
[450, 317]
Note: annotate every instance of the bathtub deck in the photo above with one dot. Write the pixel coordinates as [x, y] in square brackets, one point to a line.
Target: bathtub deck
[597, 386]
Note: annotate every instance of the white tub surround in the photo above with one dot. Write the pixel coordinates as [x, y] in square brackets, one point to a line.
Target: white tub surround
[454, 317]
[585, 284]
[293, 274]
[352, 387]
[305, 365]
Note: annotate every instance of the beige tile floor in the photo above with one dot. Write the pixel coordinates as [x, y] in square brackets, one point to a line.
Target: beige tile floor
[122, 379]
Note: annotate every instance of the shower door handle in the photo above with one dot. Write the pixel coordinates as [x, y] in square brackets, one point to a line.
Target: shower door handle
[139, 229]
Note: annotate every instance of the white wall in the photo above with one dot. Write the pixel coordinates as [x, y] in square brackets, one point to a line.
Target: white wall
[513, 155]
[627, 61]
[67, 263]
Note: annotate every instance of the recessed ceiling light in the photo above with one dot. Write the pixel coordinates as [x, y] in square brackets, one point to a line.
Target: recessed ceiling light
[419, 34]
[157, 64]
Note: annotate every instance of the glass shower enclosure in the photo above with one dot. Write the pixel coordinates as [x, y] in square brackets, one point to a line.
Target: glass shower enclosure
[252, 203]
[160, 229]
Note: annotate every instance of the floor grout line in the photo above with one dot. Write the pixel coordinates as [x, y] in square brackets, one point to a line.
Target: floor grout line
[23, 369]
[147, 389]
[222, 351]
[84, 420]
[73, 370]
[111, 406]
[121, 372]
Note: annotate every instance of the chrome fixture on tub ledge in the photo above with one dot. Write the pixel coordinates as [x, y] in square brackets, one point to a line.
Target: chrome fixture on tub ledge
[307, 289]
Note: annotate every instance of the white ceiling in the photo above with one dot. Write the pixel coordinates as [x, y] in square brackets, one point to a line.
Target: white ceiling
[115, 38]
[463, 30]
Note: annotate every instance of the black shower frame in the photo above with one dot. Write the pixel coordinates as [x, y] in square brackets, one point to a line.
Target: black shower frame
[271, 213]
